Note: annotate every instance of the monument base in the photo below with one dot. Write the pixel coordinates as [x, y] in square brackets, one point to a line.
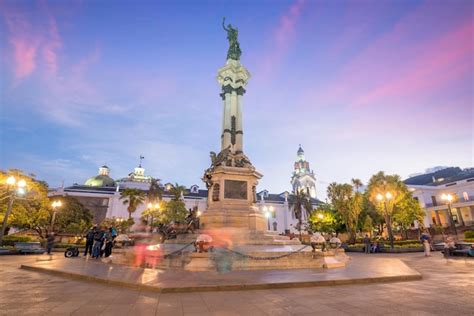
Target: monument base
[244, 258]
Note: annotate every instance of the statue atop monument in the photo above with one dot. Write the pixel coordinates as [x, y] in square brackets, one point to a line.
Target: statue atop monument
[234, 51]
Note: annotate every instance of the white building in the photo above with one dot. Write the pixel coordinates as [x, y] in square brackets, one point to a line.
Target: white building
[101, 195]
[430, 188]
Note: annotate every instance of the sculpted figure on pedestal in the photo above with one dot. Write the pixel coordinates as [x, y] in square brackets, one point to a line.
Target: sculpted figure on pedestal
[234, 51]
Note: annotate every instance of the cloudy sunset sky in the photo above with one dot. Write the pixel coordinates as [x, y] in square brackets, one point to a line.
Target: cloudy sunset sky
[362, 85]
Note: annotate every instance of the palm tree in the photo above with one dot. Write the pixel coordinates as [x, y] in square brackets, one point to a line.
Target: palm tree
[176, 191]
[356, 183]
[155, 192]
[300, 202]
[132, 197]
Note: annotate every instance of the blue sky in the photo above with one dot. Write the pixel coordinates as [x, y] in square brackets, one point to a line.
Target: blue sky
[362, 85]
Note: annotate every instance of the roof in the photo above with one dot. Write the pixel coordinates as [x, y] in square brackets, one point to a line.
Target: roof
[440, 177]
[300, 150]
[100, 181]
[271, 197]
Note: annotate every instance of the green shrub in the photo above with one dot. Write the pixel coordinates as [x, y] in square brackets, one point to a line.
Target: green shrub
[10, 240]
[469, 234]
[469, 239]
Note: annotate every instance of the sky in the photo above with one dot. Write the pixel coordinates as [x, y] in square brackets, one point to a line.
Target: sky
[363, 86]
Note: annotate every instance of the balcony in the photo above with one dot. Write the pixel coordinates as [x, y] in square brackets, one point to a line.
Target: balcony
[459, 202]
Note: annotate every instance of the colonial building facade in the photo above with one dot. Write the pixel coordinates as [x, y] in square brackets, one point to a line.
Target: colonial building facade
[432, 189]
[101, 194]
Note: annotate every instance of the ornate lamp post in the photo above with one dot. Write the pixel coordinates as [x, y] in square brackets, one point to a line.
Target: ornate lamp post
[56, 204]
[14, 188]
[385, 198]
[449, 198]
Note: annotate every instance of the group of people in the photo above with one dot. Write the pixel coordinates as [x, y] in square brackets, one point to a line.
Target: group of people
[100, 241]
[369, 246]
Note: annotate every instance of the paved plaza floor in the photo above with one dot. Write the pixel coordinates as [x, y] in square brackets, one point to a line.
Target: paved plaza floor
[363, 269]
[446, 289]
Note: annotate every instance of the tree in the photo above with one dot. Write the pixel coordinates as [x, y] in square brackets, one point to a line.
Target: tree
[132, 197]
[368, 225]
[300, 203]
[72, 217]
[177, 191]
[407, 211]
[348, 204]
[393, 200]
[155, 192]
[174, 211]
[30, 211]
[325, 219]
[356, 183]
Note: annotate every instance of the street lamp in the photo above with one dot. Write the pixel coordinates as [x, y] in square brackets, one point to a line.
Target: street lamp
[14, 188]
[153, 207]
[56, 204]
[320, 215]
[449, 198]
[385, 198]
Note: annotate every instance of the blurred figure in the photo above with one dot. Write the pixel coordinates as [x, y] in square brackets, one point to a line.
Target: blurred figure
[367, 244]
[90, 241]
[97, 245]
[50, 242]
[449, 246]
[426, 241]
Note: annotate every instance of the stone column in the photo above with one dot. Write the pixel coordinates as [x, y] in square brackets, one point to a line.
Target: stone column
[461, 219]
[226, 119]
[239, 131]
[233, 78]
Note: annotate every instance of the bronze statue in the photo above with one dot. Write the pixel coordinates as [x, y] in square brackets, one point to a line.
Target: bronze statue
[234, 51]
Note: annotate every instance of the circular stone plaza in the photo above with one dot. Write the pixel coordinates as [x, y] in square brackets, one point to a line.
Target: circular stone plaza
[143, 248]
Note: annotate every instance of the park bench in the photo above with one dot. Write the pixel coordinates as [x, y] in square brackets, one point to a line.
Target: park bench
[29, 247]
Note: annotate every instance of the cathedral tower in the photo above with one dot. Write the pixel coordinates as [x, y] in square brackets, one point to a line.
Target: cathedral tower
[303, 178]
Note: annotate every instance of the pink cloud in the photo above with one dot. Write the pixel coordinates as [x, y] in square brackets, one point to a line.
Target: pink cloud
[33, 45]
[436, 63]
[25, 46]
[52, 44]
[283, 36]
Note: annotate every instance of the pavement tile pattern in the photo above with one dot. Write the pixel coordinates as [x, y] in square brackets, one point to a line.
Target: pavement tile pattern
[446, 289]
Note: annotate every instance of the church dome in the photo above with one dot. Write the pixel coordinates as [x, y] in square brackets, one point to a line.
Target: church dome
[102, 179]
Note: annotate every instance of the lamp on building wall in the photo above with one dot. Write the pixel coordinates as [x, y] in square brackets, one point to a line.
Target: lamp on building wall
[449, 198]
[14, 188]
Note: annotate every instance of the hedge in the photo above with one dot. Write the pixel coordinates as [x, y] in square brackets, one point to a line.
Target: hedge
[469, 234]
[10, 240]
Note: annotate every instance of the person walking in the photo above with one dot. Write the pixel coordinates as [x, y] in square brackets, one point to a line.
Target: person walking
[90, 241]
[425, 240]
[108, 240]
[367, 244]
[97, 245]
[50, 243]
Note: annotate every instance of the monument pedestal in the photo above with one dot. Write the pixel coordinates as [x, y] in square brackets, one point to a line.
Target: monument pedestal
[231, 200]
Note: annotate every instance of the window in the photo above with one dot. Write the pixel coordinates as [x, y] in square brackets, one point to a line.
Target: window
[433, 199]
[465, 196]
